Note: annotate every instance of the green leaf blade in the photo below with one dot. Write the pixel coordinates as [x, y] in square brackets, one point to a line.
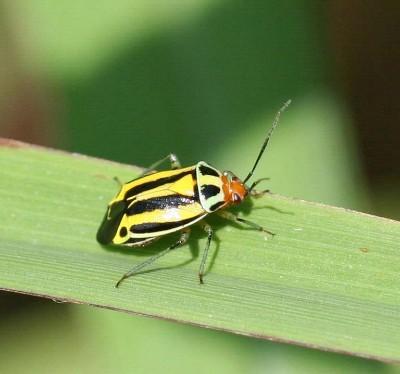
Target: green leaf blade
[328, 279]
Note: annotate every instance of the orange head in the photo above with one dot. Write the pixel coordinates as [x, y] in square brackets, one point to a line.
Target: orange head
[234, 189]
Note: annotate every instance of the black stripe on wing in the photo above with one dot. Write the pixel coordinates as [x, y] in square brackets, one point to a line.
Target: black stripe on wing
[162, 202]
[149, 227]
[147, 186]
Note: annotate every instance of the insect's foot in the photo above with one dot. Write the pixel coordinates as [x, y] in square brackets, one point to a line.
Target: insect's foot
[119, 282]
[116, 179]
[272, 234]
[258, 194]
[201, 279]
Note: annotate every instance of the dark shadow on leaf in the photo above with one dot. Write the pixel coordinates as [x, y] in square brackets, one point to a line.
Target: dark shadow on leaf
[280, 211]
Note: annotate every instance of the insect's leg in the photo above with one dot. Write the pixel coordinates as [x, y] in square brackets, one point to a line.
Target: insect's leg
[231, 217]
[256, 193]
[182, 240]
[175, 164]
[117, 180]
[208, 229]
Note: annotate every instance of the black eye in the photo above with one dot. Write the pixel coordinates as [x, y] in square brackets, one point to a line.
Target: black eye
[236, 198]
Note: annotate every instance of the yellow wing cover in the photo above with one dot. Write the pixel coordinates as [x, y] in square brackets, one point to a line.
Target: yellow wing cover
[151, 206]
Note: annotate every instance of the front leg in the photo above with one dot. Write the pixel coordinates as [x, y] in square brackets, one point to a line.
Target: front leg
[255, 193]
[232, 217]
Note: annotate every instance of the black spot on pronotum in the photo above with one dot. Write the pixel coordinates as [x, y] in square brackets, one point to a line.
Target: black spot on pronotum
[209, 190]
[206, 170]
[123, 232]
[217, 205]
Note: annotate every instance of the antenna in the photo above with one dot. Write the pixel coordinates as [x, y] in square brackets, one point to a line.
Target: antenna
[264, 146]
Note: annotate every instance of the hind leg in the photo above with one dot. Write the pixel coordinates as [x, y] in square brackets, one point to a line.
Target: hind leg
[182, 240]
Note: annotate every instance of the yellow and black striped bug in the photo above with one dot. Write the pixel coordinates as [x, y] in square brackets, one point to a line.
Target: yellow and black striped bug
[160, 203]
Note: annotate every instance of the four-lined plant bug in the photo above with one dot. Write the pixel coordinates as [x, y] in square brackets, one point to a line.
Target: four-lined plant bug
[160, 203]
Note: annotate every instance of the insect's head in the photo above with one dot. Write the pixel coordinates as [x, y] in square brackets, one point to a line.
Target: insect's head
[236, 190]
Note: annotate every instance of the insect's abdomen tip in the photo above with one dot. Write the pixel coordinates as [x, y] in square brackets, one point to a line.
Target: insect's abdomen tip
[101, 238]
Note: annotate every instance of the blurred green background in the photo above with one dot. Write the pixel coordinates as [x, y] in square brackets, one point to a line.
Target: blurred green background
[135, 80]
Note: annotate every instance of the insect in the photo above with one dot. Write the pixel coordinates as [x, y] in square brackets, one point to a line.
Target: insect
[163, 202]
